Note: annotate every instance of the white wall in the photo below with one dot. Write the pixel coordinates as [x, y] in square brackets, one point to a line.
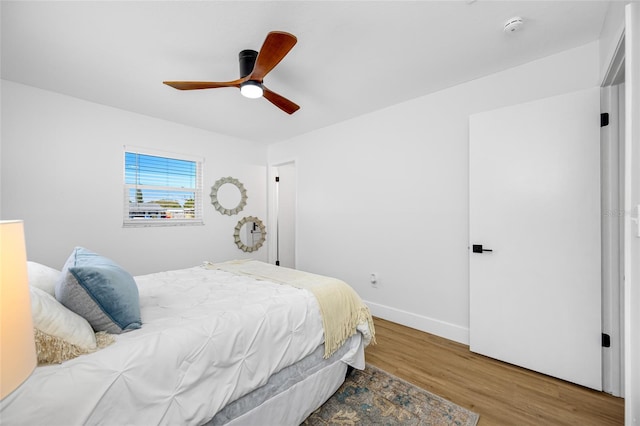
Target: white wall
[388, 192]
[62, 173]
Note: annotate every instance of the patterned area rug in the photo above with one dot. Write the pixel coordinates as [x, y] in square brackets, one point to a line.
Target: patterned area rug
[375, 397]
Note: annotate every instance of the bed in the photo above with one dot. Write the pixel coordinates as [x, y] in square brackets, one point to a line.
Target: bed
[238, 342]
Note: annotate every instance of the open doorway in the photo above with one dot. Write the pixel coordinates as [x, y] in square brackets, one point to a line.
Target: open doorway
[283, 215]
[612, 156]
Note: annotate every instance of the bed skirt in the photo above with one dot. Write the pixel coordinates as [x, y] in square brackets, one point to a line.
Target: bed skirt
[295, 392]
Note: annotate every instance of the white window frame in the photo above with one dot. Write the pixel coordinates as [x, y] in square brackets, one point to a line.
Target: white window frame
[127, 221]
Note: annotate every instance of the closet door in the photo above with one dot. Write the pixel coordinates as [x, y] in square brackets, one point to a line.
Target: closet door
[534, 249]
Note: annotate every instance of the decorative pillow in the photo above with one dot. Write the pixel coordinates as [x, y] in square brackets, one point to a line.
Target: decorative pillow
[50, 317]
[43, 277]
[59, 333]
[100, 291]
[54, 350]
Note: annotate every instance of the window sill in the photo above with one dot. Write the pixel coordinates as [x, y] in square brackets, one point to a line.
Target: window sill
[164, 223]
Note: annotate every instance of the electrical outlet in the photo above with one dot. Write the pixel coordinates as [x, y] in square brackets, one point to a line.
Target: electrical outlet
[373, 278]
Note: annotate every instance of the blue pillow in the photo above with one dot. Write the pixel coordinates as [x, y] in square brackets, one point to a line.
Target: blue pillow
[100, 291]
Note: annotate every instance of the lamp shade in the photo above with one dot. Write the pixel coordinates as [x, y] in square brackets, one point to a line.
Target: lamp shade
[17, 344]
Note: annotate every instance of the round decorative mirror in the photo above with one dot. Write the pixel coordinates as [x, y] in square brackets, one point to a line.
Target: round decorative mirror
[228, 196]
[249, 234]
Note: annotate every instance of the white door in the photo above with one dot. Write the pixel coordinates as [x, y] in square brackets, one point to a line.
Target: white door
[286, 216]
[535, 299]
[632, 215]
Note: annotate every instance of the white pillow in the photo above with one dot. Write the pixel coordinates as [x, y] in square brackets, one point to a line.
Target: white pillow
[42, 277]
[52, 318]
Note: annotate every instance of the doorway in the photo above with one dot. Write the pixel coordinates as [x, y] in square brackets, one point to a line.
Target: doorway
[283, 215]
[612, 153]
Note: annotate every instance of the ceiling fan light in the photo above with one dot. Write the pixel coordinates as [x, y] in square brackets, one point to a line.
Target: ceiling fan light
[251, 89]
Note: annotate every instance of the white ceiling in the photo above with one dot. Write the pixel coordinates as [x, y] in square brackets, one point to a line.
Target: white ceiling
[352, 57]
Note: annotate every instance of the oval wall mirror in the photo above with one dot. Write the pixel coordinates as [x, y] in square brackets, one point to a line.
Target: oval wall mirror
[249, 234]
[228, 196]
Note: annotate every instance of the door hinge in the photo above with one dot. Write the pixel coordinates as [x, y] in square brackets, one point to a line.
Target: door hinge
[277, 178]
[606, 340]
[604, 119]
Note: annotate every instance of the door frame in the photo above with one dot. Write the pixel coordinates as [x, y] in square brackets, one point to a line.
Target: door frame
[612, 190]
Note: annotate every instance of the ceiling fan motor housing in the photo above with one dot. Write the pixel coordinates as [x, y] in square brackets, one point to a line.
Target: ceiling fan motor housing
[247, 61]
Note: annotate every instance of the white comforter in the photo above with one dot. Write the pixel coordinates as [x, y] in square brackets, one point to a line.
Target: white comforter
[208, 337]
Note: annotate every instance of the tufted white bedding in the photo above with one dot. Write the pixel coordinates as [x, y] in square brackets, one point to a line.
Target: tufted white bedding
[208, 338]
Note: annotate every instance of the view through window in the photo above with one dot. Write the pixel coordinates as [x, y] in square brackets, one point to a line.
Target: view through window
[161, 190]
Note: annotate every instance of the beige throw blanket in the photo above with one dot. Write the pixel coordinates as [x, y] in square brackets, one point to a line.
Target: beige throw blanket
[341, 307]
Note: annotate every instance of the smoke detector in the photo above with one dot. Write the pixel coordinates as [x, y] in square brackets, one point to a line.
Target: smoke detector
[513, 24]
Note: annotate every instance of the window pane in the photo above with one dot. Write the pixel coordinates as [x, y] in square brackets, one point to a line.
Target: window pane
[161, 190]
[142, 169]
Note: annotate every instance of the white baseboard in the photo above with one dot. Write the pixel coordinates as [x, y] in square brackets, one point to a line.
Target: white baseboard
[419, 322]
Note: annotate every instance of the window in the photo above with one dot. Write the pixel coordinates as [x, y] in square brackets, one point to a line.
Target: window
[161, 189]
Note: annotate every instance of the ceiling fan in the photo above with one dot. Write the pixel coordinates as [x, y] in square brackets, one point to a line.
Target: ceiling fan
[254, 66]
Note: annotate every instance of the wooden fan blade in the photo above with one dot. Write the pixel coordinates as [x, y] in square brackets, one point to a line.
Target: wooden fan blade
[275, 47]
[281, 102]
[194, 85]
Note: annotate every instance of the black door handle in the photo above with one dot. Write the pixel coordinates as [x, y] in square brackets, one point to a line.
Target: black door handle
[477, 248]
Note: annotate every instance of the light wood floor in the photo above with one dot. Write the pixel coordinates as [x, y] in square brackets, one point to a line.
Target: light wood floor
[501, 393]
